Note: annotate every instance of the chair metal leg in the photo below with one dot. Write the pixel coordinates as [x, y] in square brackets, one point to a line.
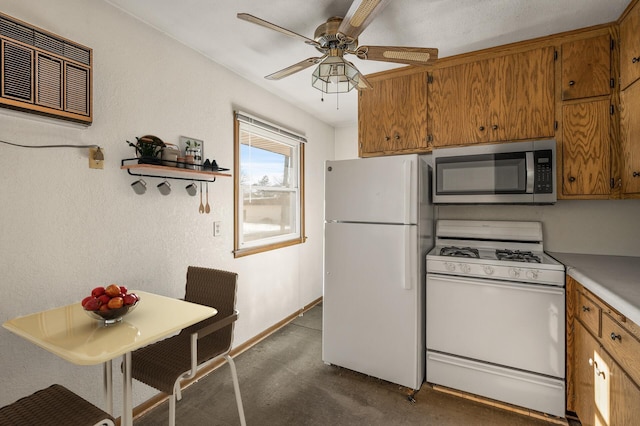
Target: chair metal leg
[236, 388]
[172, 410]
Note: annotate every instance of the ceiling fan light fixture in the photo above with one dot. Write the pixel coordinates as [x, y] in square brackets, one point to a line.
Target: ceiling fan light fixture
[335, 75]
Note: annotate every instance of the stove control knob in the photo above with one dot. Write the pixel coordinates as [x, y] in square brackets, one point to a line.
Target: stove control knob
[532, 274]
[464, 268]
[514, 272]
[450, 266]
[488, 270]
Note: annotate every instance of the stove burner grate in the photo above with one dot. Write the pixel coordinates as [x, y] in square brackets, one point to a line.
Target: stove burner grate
[518, 256]
[459, 252]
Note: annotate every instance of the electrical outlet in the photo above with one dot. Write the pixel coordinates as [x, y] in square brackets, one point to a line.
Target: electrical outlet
[216, 228]
[95, 164]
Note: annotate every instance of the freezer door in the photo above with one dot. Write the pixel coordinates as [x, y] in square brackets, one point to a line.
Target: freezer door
[373, 301]
[375, 190]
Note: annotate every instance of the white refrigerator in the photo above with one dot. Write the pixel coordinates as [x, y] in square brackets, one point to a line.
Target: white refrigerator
[378, 229]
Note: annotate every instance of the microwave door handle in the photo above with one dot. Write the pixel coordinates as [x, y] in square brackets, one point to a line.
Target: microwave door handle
[530, 171]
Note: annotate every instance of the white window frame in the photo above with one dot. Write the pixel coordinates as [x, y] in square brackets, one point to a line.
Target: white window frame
[246, 123]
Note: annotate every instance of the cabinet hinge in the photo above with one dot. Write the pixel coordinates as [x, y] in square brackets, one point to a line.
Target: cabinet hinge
[555, 55]
[555, 125]
[611, 110]
[429, 78]
[612, 183]
[612, 83]
[429, 138]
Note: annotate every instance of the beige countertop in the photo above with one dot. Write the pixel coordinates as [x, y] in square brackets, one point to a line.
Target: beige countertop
[615, 279]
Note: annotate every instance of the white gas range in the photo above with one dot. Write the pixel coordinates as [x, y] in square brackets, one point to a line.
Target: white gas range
[495, 314]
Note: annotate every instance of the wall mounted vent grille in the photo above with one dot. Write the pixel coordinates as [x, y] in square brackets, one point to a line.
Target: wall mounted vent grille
[43, 73]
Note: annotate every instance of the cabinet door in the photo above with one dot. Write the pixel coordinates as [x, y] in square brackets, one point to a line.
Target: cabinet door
[586, 68]
[588, 404]
[449, 107]
[630, 47]
[373, 117]
[534, 95]
[630, 135]
[586, 155]
[392, 116]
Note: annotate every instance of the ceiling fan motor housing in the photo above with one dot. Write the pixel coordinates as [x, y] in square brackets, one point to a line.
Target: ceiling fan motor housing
[327, 36]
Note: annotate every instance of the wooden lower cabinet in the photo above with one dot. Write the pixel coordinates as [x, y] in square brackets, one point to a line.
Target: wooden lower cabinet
[605, 395]
[602, 391]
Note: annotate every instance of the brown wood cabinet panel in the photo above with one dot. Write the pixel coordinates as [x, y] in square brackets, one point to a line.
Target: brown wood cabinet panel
[630, 47]
[392, 117]
[586, 148]
[534, 94]
[630, 135]
[622, 345]
[584, 376]
[586, 68]
[589, 313]
[448, 107]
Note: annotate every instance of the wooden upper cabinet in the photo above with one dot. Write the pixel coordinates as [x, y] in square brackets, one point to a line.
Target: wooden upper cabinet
[499, 99]
[586, 148]
[630, 136]
[586, 68]
[392, 117]
[630, 47]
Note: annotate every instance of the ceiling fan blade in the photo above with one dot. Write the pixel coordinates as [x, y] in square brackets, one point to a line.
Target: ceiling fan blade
[359, 16]
[250, 18]
[295, 68]
[400, 55]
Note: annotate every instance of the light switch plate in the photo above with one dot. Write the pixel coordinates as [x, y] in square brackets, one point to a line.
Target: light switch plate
[216, 228]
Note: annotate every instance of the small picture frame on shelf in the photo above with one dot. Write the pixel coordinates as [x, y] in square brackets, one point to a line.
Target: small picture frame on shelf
[193, 151]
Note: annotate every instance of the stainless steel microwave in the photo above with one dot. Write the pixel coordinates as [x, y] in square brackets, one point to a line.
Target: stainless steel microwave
[506, 173]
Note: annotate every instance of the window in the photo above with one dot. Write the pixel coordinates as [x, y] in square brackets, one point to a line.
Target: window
[269, 186]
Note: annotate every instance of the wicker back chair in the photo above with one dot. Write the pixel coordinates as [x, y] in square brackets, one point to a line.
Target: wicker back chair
[55, 405]
[165, 364]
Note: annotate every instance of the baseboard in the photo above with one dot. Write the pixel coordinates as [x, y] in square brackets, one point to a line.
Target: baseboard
[502, 405]
[158, 399]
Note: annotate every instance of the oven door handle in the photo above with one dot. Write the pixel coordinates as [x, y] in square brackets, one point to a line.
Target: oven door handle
[530, 287]
[531, 171]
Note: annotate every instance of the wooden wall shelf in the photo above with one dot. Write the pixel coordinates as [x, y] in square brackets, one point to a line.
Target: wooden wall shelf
[168, 172]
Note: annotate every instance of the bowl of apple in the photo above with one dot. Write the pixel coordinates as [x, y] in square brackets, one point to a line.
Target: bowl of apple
[109, 304]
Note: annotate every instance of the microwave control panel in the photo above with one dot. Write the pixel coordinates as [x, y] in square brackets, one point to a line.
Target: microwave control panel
[543, 182]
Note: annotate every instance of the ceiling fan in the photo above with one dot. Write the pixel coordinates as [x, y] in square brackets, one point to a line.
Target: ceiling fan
[339, 36]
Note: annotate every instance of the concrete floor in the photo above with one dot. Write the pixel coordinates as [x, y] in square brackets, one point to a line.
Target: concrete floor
[284, 382]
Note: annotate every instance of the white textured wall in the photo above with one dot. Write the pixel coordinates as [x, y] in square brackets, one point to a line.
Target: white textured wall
[65, 228]
[570, 226]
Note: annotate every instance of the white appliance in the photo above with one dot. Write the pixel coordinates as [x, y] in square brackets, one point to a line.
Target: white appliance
[505, 173]
[496, 314]
[378, 229]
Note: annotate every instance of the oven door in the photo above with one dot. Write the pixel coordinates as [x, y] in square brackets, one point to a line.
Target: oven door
[510, 324]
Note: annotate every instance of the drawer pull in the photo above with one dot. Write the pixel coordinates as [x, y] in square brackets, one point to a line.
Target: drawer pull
[615, 336]
[586, 309]
[595, 367]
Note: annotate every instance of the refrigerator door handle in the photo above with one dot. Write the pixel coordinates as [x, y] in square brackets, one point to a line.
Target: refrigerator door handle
[407, 191]
[407, 254]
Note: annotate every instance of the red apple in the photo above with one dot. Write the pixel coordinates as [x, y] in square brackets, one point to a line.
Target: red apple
[123, 290]
[98, 291]
[103, 308]
[130, 299]
[104, 299]
[92, 304]
[86, 299]
[115, 302]
[112, 290]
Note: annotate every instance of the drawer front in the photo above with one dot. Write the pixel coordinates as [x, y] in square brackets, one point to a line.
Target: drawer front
[622, 345]
[589, 313]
